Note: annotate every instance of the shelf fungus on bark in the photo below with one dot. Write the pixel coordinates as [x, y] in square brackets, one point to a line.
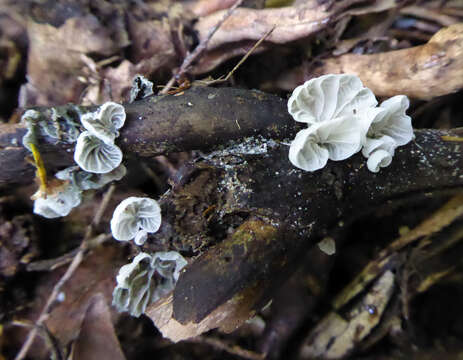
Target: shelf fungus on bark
[134, 218]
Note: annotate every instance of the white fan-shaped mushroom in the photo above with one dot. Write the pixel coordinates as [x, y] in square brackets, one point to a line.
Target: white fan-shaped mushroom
[337, 139]
[385, 143]
[329, 96]
[378, 159]
[60, 203]
[135, 285]
[135, 214]
[95, 156]
[169, 263]
[146, 280]
[393, 121]
[105, 122]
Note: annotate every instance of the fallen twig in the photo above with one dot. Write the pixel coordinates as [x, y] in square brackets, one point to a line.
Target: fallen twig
[200, 48]
[243, 59]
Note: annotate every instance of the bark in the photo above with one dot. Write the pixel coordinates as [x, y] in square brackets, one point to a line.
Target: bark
[201, 118]
[277, 213]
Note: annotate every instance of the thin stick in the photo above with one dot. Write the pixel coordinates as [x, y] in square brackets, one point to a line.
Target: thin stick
[243, 59]
[67, 275]
[199, 49]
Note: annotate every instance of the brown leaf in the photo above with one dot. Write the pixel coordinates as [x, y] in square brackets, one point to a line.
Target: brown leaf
[97, 339]
[420, 72]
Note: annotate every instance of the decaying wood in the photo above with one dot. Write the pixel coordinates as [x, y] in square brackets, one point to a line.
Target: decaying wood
[278, 212]
[201, 118]
[428, 71]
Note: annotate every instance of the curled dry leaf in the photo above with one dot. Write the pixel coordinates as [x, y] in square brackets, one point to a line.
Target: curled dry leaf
[53, 51]
[291, 23]
[432, 70]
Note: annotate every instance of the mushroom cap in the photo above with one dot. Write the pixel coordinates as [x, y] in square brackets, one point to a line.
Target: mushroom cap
[105, 122]
[134, 214]
[59, 203]
[328, 97]
[146, 279]
[393, 121]
[335, 139]
[95, 156]
[169, 264]
[135, 285]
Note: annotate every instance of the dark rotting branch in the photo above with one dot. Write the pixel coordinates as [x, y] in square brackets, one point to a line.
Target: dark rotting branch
[199, 118]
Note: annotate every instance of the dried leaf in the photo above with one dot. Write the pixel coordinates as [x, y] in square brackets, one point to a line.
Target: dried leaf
[97, 339]
[433, 69]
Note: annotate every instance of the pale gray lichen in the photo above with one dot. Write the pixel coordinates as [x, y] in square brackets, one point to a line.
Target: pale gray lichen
[141, 88]
[146, 280]
[90, 181]
[60, 123]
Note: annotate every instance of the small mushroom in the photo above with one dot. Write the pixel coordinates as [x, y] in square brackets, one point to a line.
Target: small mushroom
[135, 285]
[105, 122]
[95, 156]
[169, 264]
[59, 203]
[393, 121]
[146, 280]
[379, 159]
[336, 140]
[30, 117]
[134, 215]
[390, 128]
[328, 97]
[86, 181]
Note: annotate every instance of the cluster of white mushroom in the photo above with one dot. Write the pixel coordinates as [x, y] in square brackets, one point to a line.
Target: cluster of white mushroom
[343, 118]
[96, 154]
[146, 279]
